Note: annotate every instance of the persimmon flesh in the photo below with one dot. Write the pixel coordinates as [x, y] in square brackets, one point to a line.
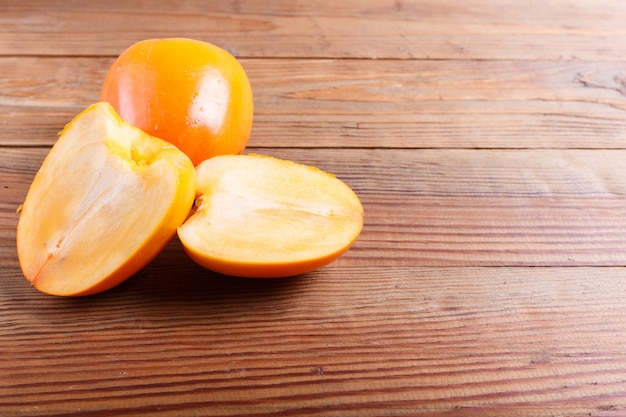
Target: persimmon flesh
[263, 217]
[107, 198]
[188, 92]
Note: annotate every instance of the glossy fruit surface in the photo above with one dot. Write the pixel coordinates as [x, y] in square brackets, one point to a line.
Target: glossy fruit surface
[188, 92]
[263, 217]
[106, 200]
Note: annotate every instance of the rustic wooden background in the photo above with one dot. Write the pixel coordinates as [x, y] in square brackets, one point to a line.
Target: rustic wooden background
[487, 141]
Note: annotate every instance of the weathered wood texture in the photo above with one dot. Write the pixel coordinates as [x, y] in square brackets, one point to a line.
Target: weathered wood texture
[364, 104]
[341, 341]
[449, 207]
[487, 142]
[396, 29]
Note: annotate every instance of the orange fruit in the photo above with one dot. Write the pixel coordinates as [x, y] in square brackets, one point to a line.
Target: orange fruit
[259, 216]
[107, 198]
[188, 92]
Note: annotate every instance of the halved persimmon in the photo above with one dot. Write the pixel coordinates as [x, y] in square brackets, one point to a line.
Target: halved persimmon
[106, 200]
[263, 217]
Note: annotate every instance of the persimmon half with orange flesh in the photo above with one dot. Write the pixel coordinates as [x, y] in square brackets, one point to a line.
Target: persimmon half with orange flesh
[107, 198]
[262, 217]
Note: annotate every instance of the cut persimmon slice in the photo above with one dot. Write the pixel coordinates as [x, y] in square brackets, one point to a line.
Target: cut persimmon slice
[107, 198]
[262, 217]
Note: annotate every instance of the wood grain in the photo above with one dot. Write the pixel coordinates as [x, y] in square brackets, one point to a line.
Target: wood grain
[363, 104]
[450, 207]
[486, 139]
[426, 29]
[395, 341]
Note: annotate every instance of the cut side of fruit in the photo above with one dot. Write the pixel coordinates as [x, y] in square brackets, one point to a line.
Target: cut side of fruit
[106, 200]
[263, 217]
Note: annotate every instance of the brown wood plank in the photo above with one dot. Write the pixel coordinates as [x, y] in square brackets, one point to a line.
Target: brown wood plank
[446, 207]
[356, 103]
[428, 29]
[356, 341]
[486, 139]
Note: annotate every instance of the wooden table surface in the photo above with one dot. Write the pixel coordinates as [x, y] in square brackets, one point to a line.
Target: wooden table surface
[487, 142]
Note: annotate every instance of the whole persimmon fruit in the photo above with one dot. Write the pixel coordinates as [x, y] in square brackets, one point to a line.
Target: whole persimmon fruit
[190, 93]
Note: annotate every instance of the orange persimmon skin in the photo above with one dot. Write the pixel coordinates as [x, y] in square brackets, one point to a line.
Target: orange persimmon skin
[190, 93]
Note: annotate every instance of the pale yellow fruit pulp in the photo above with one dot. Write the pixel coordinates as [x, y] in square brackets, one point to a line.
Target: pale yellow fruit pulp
[106, 200]
[259, 216]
